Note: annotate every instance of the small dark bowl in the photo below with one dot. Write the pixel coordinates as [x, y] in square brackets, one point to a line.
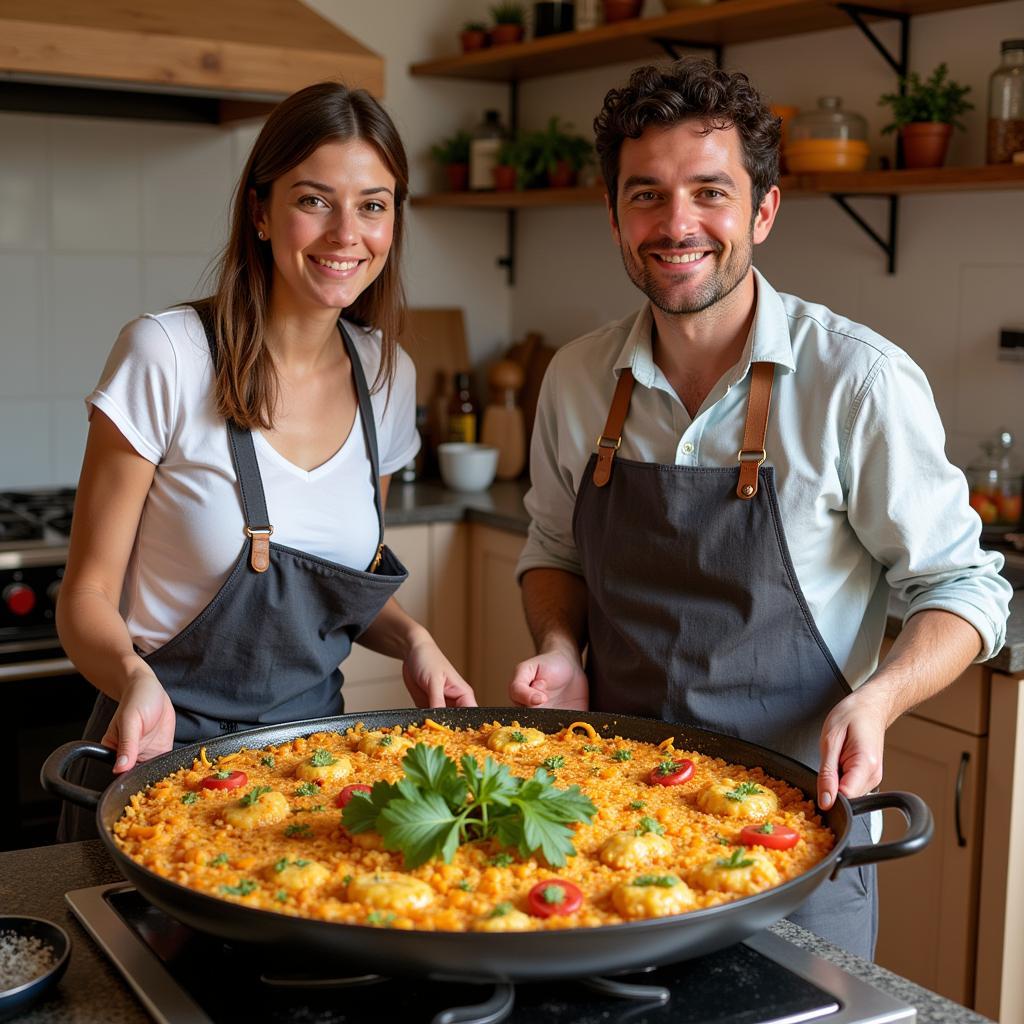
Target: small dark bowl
[17, 1000]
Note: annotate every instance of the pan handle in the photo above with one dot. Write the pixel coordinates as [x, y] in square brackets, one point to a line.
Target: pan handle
[920, 828]
[56, 765]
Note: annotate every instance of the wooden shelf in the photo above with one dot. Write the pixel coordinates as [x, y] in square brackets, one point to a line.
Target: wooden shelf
[945, 179]
[730, 21]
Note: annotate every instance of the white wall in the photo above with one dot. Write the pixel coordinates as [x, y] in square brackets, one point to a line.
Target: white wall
[103, 219]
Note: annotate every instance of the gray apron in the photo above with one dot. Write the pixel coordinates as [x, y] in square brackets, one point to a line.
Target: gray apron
[695, 615]
[266, 649]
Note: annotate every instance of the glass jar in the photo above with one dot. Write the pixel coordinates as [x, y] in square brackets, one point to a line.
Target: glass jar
[996, 484]
[828, 121]
[1006, 105]
[483, 150]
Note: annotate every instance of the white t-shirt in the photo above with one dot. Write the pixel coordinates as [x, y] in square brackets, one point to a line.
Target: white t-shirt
[157, 388]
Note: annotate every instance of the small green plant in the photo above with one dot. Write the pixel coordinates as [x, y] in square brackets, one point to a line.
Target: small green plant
[474, 26]
[934, 99]
[508, 12]
[453, 150]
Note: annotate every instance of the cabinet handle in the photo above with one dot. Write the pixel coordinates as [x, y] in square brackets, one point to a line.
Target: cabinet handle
[961, 772]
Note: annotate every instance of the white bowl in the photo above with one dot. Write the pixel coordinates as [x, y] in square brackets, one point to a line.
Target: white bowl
[467, 467]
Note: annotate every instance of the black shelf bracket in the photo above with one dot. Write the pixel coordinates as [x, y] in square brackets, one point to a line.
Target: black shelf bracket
[887, 245]
[673, 46]
[856, 13]
[508, 261]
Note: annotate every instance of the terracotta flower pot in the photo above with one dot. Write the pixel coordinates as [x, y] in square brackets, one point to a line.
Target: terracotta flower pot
[458, 177]
[503, 34]
[473, 40]
[621, 10]
[925, 144]
[504, 178]
[563, 176]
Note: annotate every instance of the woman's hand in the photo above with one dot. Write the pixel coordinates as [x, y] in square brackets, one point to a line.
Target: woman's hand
[143, 725]
[431, 680]
[554, 679]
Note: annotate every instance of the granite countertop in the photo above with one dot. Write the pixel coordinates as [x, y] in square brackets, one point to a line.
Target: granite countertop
[33, 882]
[501, 506]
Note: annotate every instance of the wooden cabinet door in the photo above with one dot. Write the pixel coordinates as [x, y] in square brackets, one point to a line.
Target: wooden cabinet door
[498, 637]
[928, 903]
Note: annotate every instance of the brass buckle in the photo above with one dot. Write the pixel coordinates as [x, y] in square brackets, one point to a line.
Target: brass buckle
[757, 455]
[608, 442]
[268, 530]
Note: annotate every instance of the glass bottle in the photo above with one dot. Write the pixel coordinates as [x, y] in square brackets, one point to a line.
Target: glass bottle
[483, 150]
[1006, 105]
[462, 412]
[828, 121]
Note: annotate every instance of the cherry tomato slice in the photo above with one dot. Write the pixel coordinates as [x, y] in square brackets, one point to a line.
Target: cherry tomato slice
[349, 791]
[778, 837]
[680, 771]
[554, 896]
[225, 780]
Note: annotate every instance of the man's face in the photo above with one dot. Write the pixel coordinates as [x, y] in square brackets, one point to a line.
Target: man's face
[686, 224]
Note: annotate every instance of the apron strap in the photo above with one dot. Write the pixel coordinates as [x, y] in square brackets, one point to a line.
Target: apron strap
[752, 453]
[610, 440]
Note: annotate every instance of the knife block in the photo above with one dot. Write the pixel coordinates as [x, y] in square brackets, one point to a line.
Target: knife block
[503, 419]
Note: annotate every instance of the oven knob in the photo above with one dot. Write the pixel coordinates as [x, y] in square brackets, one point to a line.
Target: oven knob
[20, 599]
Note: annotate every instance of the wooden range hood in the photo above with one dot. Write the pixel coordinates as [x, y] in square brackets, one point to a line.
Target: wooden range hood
[193, 60]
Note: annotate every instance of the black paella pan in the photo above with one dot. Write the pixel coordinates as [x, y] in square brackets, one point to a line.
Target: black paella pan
[511, 955]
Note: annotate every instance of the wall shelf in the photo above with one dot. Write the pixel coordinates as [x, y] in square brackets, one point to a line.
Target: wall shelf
[715, 25]
[994, 177]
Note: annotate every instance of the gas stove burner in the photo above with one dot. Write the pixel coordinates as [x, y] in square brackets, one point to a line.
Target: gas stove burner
[15, 527]
[179, 973]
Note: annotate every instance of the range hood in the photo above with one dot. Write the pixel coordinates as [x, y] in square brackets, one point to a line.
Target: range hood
[206, 60]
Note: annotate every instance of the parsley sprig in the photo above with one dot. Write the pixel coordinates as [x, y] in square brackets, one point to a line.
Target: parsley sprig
[742, 791]
[322, 758]
[737, 860]
[439, 804]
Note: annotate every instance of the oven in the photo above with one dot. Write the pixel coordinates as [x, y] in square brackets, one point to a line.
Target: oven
[46, 701]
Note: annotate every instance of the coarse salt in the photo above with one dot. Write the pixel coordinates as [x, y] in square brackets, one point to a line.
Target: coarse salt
[23, 958]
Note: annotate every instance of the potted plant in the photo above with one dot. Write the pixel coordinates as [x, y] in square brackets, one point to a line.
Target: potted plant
[453, 155]
[553, 157]
[509, 17]
[621, 10]
[473, 36]
[507, 170]
[925, 115]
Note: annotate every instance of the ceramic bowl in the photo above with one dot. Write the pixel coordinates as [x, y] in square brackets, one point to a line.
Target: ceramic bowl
[467, 467]
[17, 1000]
[809, 155]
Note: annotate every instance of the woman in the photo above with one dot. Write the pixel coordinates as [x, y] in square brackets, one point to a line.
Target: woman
[247, 415]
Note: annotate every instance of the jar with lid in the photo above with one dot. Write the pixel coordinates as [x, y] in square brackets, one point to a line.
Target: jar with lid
[827, 138]
[483, 150]
[462, 412]
[1006, 105]
[996, 483]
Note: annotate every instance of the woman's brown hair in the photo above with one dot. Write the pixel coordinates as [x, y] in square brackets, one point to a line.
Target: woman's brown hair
[246, 384]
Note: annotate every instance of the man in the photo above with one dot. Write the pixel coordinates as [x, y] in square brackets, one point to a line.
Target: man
[749, 599]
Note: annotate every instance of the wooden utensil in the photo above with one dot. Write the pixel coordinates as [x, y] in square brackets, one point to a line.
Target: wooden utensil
[503, 419]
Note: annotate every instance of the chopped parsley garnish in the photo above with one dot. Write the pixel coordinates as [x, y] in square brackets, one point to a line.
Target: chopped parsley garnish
[346, 880]
[668, 768]
[386, 741]
[518, 737]
[737, 860]
[742, 791]
[297, 830]
[439, 804]
[267, 762]
[322, 758]
[190, 798]
[307, 789]
[553, 894]
[501, 909]
[502, 860]
[383, 918]
[315, 808]
[554, 763]
[591, 748]
[223, 774]
[465, 886]
[244, 887]
[219, 861]
[622, 754]
[254, 795]
[650, 825]
[281, 896]
[722, 841]
[637, 805]
[662, 881]
[766, 829]
[280, 865]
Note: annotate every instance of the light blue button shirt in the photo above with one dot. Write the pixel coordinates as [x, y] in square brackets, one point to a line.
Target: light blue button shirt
[869, 503]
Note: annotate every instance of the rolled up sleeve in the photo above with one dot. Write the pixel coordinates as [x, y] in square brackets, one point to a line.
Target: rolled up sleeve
[909, 505]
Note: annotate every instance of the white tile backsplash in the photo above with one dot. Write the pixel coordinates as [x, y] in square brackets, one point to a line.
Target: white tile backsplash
[70, 428]
[22, 339]
[169, 280]
[26, 426]
[24, 183]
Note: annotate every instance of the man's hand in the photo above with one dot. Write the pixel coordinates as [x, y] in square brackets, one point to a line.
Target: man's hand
[852, 740]
[554, 679]
[431, 680]
[143, 725]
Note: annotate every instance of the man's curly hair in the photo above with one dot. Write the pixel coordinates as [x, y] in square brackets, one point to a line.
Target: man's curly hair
[689, 89]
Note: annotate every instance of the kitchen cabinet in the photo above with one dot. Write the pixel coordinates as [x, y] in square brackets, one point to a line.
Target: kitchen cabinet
[498, 637]
[435, 594]
[952, 917]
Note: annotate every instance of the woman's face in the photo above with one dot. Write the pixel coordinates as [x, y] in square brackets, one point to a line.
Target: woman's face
[329, 222]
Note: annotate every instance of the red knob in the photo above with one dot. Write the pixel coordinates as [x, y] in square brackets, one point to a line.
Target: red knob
[19, 598]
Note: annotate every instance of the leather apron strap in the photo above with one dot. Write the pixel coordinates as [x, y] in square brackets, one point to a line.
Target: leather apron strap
[752, 453]
[610, 440]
